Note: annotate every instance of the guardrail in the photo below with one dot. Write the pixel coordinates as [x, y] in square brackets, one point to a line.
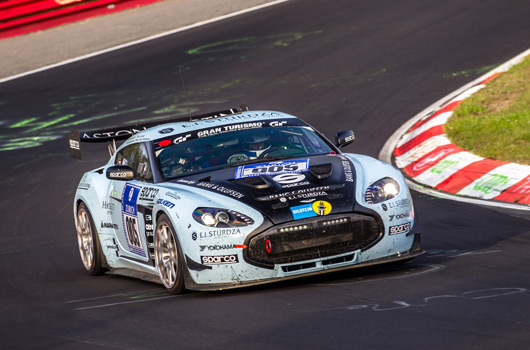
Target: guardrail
[24, 16]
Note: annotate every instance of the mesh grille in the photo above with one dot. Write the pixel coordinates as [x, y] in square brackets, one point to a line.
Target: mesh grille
[313, 238]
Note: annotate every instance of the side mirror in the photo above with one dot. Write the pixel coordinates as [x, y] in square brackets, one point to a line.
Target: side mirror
[120, 172]
[344, 138]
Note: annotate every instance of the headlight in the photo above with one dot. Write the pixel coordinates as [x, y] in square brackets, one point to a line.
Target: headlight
[381, 190]
[215, 217]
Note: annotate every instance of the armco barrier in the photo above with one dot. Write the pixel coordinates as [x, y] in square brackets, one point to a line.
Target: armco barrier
[24, 16]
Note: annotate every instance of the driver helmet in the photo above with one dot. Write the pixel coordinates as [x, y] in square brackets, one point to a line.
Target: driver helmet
[256, 143]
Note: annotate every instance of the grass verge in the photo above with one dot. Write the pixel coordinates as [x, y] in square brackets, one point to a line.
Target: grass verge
[495, 122]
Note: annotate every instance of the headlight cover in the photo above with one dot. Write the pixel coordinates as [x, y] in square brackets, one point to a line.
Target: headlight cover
[217, 217]
[381, 190]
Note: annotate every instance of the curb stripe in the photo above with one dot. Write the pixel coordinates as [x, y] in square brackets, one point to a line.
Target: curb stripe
[488, 79]
[418, 140]
[432, 167]
[467, 175]
[518, 193]
[430, 159]
[416, 153]
[439, 120]
[447, 167]
[495, 182]
[448, 108]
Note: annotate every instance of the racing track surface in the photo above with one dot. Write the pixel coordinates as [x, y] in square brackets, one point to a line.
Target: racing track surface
[338, 64]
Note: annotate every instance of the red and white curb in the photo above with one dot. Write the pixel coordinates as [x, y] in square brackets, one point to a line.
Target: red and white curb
[433, 164]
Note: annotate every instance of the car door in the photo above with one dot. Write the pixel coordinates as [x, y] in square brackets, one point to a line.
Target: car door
[136, 200]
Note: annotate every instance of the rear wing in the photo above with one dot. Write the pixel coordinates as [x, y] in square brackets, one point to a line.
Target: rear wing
[111, 135]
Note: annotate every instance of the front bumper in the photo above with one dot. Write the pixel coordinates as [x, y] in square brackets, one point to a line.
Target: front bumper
[307, 269]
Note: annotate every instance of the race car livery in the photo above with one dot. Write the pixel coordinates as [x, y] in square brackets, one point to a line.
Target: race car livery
[236, 198]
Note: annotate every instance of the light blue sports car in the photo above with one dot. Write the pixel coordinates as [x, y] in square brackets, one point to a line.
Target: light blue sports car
[236, 198]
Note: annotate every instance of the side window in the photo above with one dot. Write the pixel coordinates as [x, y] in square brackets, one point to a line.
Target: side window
[137, 158]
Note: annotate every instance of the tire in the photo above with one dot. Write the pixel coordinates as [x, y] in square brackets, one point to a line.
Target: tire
[168, 256]
[88, 242]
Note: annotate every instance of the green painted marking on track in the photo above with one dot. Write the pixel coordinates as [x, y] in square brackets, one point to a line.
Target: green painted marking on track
[443, 166]
[491, 182]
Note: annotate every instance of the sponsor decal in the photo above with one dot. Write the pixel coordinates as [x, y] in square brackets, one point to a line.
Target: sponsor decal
[398, 203]
[149, 227]
[277, 123]
[304, 183]
[165, 203]
[219, 259]
[166, 130]
[221, 246]
[173, 195]
[228, 128]
[148, 193]
[272, 168]
[394, 230]
[187, 182]
[232, 118]
[310, 210]
[221, 189]
[83, 186]
[300, 194]
[118, 174]
[303, 211]
[399, 216]
[110, 134]
[322, 207]
[347, 170]
[219, 233]
[349, 138]
[288, 178]
[107, 205]
[180, 139]
[74, 144]
[109, 225]
[130, 218]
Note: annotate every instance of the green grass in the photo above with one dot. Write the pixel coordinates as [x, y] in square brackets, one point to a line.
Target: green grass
[495, 122]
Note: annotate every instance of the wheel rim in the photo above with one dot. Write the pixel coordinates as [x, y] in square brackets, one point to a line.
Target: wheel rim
[85, 238]
[166, 255]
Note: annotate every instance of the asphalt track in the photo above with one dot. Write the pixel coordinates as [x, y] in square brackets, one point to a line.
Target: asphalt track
[343, 64]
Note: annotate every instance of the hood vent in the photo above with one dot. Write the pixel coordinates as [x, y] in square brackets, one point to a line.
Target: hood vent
[322, 171]
[257, 182]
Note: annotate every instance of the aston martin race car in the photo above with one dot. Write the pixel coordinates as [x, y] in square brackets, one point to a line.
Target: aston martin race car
[236, 198]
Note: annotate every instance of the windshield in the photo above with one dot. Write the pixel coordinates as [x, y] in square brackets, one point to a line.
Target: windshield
[239, 147]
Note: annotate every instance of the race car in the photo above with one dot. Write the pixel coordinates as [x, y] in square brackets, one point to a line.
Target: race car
[236, 198]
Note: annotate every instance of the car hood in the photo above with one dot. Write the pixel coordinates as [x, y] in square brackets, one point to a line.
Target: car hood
[319, 185]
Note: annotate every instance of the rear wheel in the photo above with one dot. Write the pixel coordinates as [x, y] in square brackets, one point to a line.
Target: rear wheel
[168, 256]
[88, 242]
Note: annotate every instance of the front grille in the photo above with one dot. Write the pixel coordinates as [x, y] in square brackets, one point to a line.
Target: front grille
[313, 238]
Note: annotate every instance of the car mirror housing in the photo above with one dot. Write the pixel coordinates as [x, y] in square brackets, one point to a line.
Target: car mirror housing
[120, 172]
[344, 138]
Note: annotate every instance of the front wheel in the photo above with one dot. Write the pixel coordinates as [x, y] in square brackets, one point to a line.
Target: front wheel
[168, 256]
[88, 242]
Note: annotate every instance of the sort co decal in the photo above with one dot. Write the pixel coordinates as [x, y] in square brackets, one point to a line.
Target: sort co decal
[130, 218]
[272, 168]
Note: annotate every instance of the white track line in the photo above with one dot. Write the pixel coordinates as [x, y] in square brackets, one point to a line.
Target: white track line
[139, 41]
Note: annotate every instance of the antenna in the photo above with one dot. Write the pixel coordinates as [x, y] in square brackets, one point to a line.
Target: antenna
[184, 87]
